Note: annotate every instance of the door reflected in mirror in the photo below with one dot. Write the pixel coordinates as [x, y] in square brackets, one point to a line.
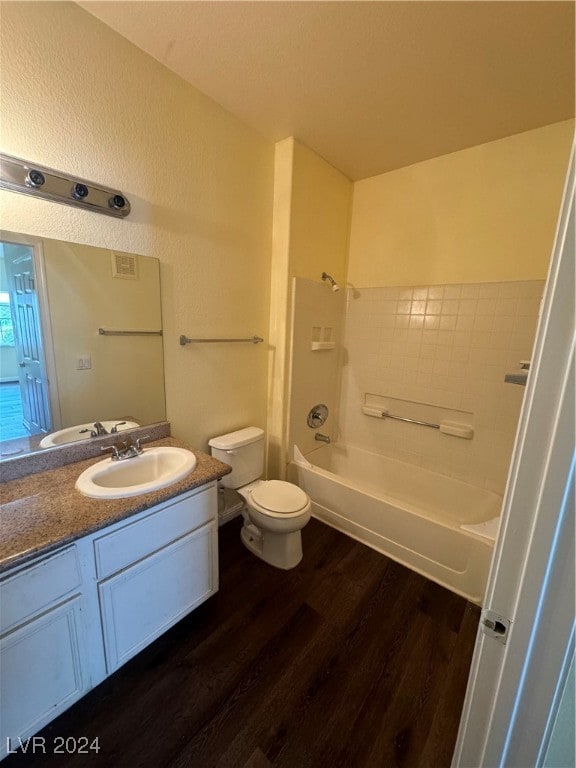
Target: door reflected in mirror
[80, 343]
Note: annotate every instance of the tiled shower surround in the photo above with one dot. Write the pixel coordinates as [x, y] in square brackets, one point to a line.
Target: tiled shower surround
[444, 345]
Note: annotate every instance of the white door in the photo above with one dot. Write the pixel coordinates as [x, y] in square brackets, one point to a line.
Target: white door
[32, 375]
[516, 680]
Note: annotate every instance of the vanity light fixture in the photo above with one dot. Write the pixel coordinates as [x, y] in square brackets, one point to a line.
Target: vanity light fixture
[19, 175]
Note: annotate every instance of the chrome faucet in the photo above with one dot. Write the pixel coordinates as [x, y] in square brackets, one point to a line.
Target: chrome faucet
[98, 431]
[321, 438]
[125, 449]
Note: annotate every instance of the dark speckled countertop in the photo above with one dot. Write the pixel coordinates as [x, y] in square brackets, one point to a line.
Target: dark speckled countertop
[44, 511]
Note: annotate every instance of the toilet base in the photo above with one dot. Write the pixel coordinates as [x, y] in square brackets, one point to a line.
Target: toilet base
[282, 550]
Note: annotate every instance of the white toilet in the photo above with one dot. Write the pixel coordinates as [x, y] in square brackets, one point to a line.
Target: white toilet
[275, 511]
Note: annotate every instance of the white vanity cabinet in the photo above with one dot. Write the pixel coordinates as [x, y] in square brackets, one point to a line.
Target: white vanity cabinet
[154, 571]
[44, 664]
[69, 619]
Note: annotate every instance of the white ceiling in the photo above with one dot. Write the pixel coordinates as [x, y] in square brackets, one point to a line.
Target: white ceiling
[370, 86]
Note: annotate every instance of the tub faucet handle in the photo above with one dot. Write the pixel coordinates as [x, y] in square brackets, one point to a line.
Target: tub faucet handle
[317, 415]
[321, 438]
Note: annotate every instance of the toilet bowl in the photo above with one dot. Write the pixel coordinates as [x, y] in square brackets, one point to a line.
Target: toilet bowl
[274, 516]
[275, 511]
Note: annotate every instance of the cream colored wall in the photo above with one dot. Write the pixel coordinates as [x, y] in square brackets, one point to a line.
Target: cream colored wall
[320, 217]
[311, 228]
[200, 183]
[487, 213]
[315, 373]
[126, 378]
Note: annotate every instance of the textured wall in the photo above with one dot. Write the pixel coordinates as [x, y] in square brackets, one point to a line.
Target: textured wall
[200, 182]
[482, 214]
[320, 217]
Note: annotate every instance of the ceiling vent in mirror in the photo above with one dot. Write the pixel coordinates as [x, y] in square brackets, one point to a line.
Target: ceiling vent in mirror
[124, 265]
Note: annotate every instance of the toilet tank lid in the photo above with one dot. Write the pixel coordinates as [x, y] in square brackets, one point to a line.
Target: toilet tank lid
[237, 439]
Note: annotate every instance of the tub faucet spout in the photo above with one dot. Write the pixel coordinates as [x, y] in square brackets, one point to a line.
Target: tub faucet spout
[321, 438]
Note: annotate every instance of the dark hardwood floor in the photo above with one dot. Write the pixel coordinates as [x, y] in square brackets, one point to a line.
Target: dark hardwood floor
[347, 661]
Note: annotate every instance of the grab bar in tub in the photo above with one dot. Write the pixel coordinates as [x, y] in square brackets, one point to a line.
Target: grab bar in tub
[382, 413]
[446, 427]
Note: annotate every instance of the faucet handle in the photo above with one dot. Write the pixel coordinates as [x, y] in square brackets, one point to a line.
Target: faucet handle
[139, 441]
[114, 429]
[113, 449]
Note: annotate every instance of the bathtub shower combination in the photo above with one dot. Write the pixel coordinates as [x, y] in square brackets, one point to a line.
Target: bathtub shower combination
[435, 525]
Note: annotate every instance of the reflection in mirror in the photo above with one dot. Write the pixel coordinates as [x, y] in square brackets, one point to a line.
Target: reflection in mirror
[80, 343]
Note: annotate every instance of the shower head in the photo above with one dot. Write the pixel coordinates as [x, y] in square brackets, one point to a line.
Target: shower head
[330, 279]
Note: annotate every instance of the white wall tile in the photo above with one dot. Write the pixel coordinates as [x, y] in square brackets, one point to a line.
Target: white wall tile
[436, 292]
[434, 307]
[448, 322]
[449, 346]
[489, 290]
[450, 306]
[452, 291]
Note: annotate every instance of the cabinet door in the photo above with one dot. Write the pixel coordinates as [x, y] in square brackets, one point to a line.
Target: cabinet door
[41, 671]
[143, 601]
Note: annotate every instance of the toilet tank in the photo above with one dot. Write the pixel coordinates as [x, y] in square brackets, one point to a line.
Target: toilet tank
[243, 450]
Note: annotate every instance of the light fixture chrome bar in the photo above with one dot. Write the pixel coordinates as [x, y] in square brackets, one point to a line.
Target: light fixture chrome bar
[104, 332]
[185, 340]
[27, 178]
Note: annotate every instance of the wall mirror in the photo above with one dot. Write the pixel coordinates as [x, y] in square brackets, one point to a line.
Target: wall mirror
[80, 343]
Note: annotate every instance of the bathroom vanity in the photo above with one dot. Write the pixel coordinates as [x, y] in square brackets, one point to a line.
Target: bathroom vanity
[93, 582]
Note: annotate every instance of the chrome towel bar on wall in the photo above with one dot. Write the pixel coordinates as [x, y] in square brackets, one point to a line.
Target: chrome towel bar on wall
[185, 340]
[104, 332]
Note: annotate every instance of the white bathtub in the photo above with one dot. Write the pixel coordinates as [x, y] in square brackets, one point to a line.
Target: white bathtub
[408, 513]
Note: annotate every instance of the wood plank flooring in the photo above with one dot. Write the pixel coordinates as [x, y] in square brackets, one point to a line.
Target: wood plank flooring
[347, 661]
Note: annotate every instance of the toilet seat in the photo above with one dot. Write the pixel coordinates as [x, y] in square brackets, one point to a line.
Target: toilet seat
[279, 499]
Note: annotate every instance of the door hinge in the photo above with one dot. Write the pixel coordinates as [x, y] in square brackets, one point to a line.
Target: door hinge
[494, 625]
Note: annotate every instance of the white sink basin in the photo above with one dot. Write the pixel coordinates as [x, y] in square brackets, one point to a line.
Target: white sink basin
[155, 468]
[72, 434]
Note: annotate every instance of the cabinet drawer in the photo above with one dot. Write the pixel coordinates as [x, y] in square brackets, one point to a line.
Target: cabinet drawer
[143, 601]
[136, 540]
[33, 589]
